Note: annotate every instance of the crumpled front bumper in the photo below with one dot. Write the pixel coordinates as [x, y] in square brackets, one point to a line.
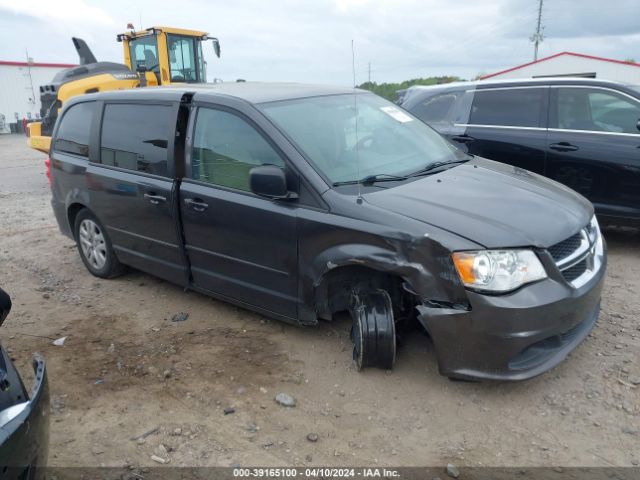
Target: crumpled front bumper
[24, 427]
[515, 336]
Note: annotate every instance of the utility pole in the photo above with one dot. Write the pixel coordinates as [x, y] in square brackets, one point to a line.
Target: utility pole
[32, 99]
[538, 37]
[369, 72]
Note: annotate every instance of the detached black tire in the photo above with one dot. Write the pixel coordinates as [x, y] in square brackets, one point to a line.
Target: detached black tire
[373, 332]
[95, 247]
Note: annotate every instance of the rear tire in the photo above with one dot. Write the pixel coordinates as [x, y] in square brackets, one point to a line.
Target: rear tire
[373, 331]
[95, 247]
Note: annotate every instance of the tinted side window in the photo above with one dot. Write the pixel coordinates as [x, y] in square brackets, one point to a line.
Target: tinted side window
[226, 147]
[75, 129]
[435, 109]
[136, 137]
[596, 110]
[517, 107]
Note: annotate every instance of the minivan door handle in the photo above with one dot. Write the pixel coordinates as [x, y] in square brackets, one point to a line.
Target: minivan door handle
[154, 199]
[196, 204]
[563, 147]
[462, 138]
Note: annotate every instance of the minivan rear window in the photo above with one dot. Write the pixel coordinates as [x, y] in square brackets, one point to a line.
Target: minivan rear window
[136, 137]
[75, 129]
[514, 107]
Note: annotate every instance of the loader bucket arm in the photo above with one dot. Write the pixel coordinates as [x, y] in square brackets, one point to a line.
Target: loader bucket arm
[84, 52]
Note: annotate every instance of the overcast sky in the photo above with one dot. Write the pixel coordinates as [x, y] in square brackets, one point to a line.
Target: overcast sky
[310, 40]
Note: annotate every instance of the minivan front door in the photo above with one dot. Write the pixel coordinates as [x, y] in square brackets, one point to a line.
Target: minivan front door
[239, 245]
[506, 124]
[594, 147]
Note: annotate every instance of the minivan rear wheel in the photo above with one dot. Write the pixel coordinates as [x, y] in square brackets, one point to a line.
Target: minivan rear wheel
[95, 247]
[373, 330]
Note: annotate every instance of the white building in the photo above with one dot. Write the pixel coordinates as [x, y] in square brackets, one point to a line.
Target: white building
[19, 89]
[569, 64]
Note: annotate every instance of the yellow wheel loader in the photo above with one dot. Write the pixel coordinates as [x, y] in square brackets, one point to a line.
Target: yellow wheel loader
[155, 56]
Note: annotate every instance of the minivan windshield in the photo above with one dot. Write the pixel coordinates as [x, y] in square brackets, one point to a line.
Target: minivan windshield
[352, 137]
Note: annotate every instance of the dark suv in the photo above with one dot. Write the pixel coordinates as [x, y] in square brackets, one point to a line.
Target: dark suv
[583, 133]
[303, 201]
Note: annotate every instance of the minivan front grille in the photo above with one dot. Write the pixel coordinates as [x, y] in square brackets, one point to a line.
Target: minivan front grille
[566, 247]
[571, 273]
[579, 257]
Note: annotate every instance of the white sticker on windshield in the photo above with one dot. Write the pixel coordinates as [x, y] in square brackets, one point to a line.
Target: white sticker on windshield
[396, 114]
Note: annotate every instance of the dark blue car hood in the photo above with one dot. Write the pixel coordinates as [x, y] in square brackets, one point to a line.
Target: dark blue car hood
[490, 203]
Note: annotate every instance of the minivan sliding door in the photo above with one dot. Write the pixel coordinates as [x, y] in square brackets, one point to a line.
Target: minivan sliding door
[132, 187]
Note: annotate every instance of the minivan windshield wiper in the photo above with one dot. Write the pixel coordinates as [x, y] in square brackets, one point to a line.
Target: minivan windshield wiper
[387, 177]
[370, 179]
[434, 166]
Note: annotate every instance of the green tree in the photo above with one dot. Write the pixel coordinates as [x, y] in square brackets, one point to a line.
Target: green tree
[389, 90]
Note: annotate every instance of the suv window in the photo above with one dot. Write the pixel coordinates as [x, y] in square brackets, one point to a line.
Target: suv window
[435, 109]
[75, 128]
[514, 107]
[596, 110]
[226, 147]
[136, 137]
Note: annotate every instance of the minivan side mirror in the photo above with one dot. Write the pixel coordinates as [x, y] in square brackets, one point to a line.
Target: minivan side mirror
[269, 181]
[5, 305]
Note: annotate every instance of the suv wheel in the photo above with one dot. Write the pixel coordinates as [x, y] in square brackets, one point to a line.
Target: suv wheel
[373, 332]
[95, 247]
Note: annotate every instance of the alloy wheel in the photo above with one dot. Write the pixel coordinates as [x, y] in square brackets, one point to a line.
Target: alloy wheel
[92, 243]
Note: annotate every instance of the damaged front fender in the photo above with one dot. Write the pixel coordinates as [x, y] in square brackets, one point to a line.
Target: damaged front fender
[420, 261]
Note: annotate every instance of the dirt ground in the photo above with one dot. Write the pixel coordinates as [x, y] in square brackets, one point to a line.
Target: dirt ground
[126, 369]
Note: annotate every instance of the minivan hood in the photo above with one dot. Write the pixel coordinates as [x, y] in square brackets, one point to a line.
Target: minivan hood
[492, 204]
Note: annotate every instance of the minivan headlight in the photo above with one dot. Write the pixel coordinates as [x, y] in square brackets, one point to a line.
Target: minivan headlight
[498, 270]
[593, 230]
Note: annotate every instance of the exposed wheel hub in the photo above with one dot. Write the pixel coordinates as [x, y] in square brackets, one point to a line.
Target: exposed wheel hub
[373, 331]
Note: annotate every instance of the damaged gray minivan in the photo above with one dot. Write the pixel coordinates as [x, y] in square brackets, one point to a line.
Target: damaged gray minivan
[302, 201]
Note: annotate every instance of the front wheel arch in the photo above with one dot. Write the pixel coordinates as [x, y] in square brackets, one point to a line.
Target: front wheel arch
[335, 287]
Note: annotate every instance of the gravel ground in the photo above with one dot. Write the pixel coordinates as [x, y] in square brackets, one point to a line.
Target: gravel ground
[205, 387]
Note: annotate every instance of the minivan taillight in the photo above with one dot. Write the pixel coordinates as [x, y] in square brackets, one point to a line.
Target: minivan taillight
[47, 164]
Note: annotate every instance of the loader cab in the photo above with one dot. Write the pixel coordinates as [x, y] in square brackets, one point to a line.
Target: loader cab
[143, 53]
[186, 62]
[171, 55]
